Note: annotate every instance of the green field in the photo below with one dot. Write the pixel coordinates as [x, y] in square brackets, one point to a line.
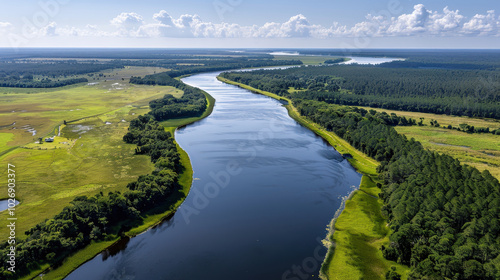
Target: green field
[46, 110]
[88, 157]
[356, 235]
[481, 150]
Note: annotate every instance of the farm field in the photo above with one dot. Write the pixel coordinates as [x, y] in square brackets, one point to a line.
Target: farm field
[88, 156]
[481, 150]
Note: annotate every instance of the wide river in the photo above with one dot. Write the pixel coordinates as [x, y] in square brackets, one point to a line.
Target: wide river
[264, 192]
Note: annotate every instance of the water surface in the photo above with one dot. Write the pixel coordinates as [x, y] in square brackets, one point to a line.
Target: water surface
[264, 192]
[4, 204]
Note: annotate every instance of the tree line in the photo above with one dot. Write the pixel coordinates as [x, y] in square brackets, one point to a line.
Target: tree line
[473, 93]
[54, 73]
[443, 215]
[104, 216]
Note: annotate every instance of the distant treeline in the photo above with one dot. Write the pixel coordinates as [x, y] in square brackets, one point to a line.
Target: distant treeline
[56, 73]
[52, 69]
[452, 92]
[442, 59]
[443, 215]
[45, 83]
[102, 216]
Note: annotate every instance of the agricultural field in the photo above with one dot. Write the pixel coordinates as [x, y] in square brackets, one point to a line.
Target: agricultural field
[481, 150]
[88, 154]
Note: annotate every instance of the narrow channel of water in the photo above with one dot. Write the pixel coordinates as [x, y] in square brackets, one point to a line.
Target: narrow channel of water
[4, 204]
[264, 192]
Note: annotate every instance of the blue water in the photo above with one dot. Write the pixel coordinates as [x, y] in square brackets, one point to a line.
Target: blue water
[265, 190]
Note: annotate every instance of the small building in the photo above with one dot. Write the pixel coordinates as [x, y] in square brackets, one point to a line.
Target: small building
[49, 139]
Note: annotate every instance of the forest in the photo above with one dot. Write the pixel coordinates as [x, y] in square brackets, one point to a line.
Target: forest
[30, 73]
[473, 93]
[99, 217]
[192, 103]
[443, 215]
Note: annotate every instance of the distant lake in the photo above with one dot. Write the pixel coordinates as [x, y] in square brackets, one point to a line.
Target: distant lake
[265, 190]
[369, 60]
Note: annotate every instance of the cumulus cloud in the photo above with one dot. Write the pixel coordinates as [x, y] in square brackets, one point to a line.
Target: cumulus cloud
[5, 27]
[49, 30]
[447, 21]
[420, 21]
[128, 23]
[5, 24]
[483, 24]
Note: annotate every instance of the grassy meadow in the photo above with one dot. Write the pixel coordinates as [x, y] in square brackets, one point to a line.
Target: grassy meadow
[481, 150]
[89, 155]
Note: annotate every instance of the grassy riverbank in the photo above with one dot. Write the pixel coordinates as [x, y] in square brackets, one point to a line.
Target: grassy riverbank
[148, 219]
[356, 235]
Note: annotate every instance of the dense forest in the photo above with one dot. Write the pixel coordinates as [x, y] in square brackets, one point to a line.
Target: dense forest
[101, 216]
[422, 58]
[192, 103]
[444, 215]
[453, 92]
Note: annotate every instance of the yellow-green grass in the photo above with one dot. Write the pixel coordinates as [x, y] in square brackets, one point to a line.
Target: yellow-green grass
[45, 110]
[50, 175]
[350, 255]
[4, 139]
[149, 220]
[480, 150]
[306, 59]
[359, 233]
[110, 75]
[443, 120]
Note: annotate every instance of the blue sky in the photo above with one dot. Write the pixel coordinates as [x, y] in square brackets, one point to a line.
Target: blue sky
[256, 23]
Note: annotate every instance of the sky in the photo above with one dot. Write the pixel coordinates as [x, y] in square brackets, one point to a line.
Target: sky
[251, 23]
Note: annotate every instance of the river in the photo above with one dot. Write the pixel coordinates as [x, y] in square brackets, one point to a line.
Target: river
[264, 192]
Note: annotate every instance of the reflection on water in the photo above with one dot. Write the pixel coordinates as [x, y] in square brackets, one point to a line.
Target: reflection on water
[267, 190]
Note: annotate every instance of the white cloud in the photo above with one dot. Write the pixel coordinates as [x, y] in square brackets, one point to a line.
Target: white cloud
[49, 30]
[5, 24]
[419, 22]
[5, 27]
[483, 24]
[407, 24]
[128, 23]
[445, 22]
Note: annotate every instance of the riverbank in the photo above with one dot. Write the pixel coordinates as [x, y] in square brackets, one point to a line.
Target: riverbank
[149, 220]
[355, 237]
